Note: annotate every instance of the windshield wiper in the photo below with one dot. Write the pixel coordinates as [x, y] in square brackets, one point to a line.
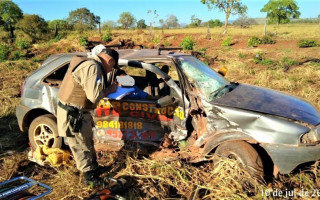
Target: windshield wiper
[230, 86]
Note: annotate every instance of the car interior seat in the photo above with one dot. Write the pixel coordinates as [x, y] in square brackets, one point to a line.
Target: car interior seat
[152, 87]
[164, 89]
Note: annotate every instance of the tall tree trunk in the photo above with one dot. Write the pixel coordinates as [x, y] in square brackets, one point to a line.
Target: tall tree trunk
[11, 33]
[150, 28]
[226, 24]
[208, 32]
[265, 28]
[99, 27]
[56, 32]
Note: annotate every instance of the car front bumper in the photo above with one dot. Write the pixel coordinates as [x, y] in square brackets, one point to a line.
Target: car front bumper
[287, 157]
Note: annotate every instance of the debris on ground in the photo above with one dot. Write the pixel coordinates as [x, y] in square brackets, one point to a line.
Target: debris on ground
[52, 156]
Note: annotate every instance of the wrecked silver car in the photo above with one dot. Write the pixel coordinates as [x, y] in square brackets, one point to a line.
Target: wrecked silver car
[262, 128]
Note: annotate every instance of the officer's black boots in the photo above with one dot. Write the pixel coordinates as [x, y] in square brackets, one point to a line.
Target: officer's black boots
[92, 179]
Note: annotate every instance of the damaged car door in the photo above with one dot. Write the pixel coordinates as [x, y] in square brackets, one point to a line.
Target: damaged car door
[135, 121]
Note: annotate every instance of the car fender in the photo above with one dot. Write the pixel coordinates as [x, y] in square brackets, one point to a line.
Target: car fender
[222, 136]
[31, 115]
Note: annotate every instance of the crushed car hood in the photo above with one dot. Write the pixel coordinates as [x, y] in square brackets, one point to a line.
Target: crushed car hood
[270, 102]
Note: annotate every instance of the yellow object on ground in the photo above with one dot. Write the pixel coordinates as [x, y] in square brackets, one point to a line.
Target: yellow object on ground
[53, 156]
[223, 70]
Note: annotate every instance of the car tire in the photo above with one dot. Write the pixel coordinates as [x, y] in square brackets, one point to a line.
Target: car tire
[245, 154]
[44, 131]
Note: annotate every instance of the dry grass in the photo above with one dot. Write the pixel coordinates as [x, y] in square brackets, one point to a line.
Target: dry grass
[151, 178]
[286, 31]
[161, 179]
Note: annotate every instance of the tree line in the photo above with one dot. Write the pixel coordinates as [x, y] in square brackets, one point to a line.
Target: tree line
[81, 19]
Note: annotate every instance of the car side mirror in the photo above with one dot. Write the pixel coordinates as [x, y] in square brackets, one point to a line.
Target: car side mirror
[166, 101]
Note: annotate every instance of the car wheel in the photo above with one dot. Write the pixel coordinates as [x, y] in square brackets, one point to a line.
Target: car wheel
[245, 154]
[43, 131]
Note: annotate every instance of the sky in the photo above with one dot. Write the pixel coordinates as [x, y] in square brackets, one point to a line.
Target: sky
[182, 9]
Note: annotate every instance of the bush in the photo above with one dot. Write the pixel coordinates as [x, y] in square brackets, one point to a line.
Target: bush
[155, 40]
[68, 49]
[203, 49]
[17, 55]
[254, 41]
[187, 43]
[266, 62]
[214, 23]
[267, 40]
[36, 59]
[34, 26]
[286, 62]
[166, 43]
[307, 43]
[83, 40]
[22, 43]
[107, 37]
[59, 37]
[259, 59]
[4, 52]
[242, 55]
[226, 42]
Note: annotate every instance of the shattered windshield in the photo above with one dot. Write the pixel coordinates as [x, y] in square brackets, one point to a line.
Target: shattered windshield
[203, 77]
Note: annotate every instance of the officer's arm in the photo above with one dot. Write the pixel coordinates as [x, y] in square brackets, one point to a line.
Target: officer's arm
[90, 77]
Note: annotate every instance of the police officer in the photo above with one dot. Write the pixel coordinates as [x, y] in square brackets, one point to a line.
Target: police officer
[86, 82]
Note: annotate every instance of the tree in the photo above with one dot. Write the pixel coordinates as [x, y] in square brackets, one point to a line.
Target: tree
[280, 11]
[213, 23]
[58, 24]
[82, 19]
[319, 20]
[172, 21]
[195, 22]
[34, 26]
[153, 17]
[228, 7]
[97, 21]
[244, 21]
[127, 20]
[141, 24]
[162, 23]
[10, 14]
[107, 25]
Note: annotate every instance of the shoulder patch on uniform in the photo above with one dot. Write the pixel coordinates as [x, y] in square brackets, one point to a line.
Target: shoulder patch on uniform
[98, 81]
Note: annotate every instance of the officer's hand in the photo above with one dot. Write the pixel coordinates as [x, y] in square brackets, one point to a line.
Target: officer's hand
[110, 89]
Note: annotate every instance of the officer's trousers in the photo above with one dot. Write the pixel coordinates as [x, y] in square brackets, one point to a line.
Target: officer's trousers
[81, 144]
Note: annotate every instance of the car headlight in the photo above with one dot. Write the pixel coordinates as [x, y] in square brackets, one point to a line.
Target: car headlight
[312, 137]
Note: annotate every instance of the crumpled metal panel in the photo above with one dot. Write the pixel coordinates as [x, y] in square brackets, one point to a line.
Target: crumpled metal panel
[215, 122]
[264, 128]
[260, 127]
[270, 102]
[47, 99]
